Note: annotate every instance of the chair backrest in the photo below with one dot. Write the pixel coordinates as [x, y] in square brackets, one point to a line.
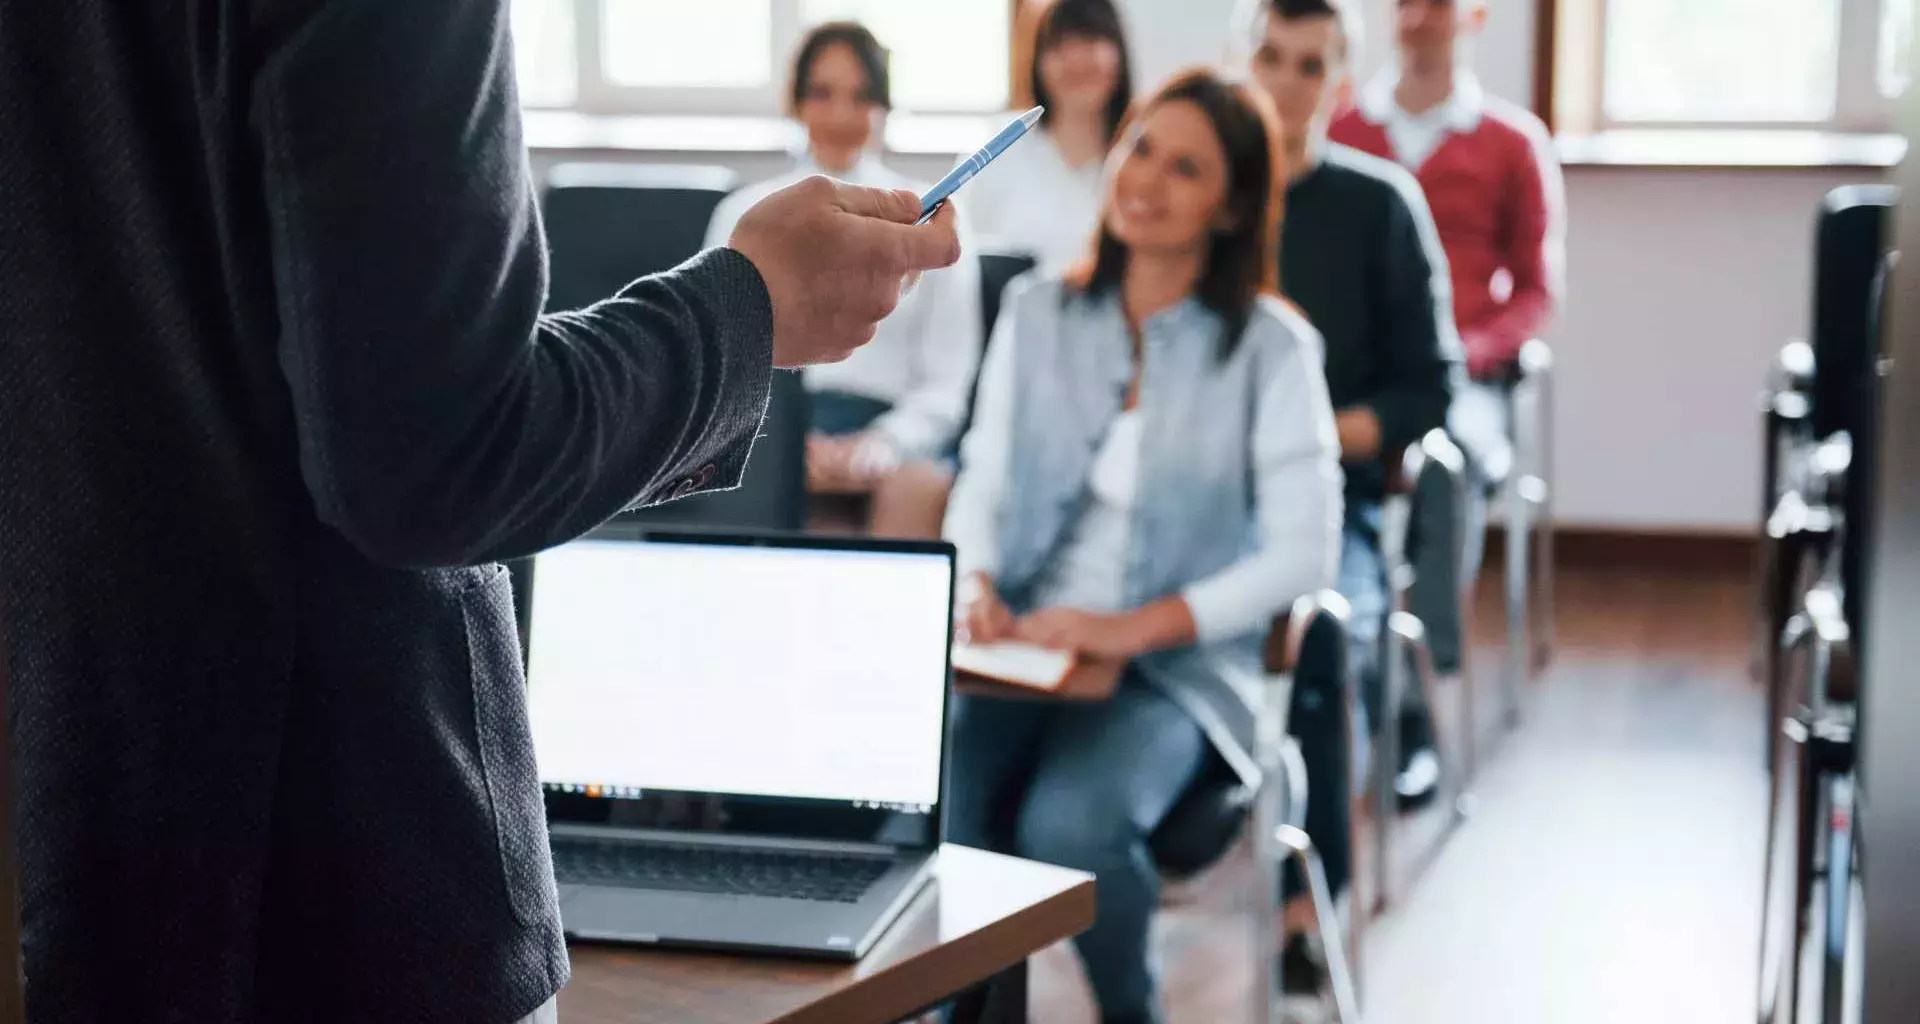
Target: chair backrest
[997, 271]
[608, 224]
[1862, 479]
[1850, 241]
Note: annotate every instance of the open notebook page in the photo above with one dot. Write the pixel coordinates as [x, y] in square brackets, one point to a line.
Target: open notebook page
[1014, 662]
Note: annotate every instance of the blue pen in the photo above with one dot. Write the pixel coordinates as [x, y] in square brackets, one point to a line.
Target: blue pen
[936, 196]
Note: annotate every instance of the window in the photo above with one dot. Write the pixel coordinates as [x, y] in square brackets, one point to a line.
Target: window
[730, 56]
[1699, 60]
[1807, 64]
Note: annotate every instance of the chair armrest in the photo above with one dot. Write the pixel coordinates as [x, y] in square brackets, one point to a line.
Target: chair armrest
[1289, 631]
[1535, 360]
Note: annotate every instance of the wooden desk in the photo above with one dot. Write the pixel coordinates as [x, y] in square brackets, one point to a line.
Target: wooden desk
[968, 934]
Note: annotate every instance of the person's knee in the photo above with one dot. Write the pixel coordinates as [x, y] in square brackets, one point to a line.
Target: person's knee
[1089, 831]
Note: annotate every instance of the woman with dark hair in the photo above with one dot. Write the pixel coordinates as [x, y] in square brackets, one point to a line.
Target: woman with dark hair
[903, 396]
[1152, 477]
[1043, 196]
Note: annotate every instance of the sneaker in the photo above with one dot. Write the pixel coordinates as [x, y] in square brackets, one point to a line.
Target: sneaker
[1303, 971]
[1419, 781]
[1302, 966]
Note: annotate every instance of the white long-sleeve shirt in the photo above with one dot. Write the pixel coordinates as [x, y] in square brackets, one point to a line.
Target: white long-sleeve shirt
[923, 357]
[1031, 200]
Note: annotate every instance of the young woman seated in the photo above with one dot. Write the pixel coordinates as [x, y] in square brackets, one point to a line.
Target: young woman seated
[1151, 477]
[902, 397]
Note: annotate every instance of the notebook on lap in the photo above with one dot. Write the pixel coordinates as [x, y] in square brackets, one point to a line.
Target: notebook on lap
[742, 739]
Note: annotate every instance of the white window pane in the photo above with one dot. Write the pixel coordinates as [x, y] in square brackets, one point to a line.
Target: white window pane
[1896, 39]
[1721, 60]
[543, 51]
[945, 56]
[710, 43]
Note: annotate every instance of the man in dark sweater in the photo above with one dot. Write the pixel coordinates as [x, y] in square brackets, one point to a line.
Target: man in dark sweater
[274, 386]
[1360, 256]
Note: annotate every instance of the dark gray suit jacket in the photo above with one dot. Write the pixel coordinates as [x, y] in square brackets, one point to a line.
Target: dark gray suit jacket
[274, 389]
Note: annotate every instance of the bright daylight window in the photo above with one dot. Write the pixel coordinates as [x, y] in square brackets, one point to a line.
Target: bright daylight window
[1700, 61]
[730, 56]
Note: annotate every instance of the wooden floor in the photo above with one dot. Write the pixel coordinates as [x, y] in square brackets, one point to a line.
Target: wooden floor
[1610, 871]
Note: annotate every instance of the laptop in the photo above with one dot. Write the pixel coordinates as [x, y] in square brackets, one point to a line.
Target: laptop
[742, 739]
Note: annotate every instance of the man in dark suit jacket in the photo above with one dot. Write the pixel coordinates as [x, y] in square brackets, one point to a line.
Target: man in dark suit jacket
[274, 388]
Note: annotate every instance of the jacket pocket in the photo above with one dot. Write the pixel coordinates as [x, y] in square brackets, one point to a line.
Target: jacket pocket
[506, 747]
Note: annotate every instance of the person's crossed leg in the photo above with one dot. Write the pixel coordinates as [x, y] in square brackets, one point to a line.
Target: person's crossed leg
[1082, 786]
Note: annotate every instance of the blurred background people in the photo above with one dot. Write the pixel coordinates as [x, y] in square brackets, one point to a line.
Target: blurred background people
[903, 396]
[1358, 254]
[1042, 197]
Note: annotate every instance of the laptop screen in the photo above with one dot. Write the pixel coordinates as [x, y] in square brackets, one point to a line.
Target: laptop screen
[808, 674]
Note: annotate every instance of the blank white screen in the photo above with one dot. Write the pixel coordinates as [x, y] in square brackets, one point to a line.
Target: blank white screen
[745, 670]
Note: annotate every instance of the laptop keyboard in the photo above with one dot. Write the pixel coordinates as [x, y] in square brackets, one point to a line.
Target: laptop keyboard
[822, 877]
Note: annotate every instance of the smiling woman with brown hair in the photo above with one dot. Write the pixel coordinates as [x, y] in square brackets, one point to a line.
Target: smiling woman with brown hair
[1151, 477]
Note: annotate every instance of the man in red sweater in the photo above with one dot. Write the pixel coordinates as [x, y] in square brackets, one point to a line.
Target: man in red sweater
[1496, 193]
[1494, 186]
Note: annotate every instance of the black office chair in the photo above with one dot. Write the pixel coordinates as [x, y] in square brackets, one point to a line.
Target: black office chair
[997, 271]
[608, 224]
[1815, 394]
[1819, 528]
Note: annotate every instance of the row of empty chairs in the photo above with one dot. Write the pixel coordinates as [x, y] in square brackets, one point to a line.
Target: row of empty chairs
[1819, 429]
[610, 223]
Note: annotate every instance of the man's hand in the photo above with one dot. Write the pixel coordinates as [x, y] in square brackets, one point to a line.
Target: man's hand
[836, 259]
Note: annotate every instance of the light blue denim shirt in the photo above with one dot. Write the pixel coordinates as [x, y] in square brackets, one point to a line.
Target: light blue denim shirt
[1237, 502]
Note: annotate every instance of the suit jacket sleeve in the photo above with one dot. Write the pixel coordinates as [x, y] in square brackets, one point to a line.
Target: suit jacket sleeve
[441, 418]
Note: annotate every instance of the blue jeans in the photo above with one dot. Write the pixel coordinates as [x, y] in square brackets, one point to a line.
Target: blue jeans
[1081, 786]
[1363, 582]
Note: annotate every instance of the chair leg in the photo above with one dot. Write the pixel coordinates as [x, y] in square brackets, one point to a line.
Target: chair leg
[1385, 764]
[1543, 522]
[1412, 636]
[1519, 644]
[1299, 848]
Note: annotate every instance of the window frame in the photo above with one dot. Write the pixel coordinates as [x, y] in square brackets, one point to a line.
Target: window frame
[595, 94]
[1570, 84]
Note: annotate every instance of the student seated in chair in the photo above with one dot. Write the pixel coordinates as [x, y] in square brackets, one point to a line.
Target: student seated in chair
[1152, 476]
[1359, 254]
[1042, 197]
[1495, 188]
[903, 396]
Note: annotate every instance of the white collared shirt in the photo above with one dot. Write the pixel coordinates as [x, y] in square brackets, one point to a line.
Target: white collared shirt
[1031, 200]
[923, 357]
[1415, 137]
